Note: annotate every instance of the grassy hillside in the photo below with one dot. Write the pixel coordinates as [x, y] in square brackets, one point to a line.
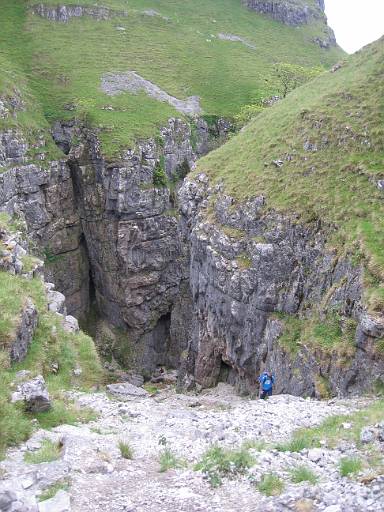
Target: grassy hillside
[179, 51]
[330, 136]
[51, 348]
[53, 353]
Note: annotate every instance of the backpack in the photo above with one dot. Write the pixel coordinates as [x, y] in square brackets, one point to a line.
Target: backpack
[267, 383]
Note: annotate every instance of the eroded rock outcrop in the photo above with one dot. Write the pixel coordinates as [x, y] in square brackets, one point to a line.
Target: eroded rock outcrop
[295, 13]
[63, 13]
[290, 12]
[249, 271]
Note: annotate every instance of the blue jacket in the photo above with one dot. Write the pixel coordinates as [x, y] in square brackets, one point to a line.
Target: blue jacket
[266, 381]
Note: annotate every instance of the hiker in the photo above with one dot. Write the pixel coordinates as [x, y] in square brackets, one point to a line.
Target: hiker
[266, 380]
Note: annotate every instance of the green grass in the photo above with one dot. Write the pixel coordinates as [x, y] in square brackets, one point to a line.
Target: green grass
[169, 460]
[126, 450]
[52, 490]
[61, 64]
[331, 430]
[12, 299]
[254, 444]
[48, 452]
[350, 465]
[303, 474]
[342, 114]
[218, 462]
[299, 442]
[270, 485]
[329, 334]
[63, 411]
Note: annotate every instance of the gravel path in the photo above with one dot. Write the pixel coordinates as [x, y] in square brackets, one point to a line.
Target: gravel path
[101, 480]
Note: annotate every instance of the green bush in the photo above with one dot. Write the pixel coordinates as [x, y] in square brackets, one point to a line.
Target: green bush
[270, 485]
[349, 466]
[299, 441]
[303, 474]
[168, 460]
[159, 176]
[126, 450]
[218, 462]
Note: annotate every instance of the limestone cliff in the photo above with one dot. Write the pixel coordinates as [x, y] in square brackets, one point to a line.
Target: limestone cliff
[250, 269]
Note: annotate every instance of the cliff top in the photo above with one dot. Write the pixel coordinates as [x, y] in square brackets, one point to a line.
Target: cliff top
[66, 50]
[319, 155]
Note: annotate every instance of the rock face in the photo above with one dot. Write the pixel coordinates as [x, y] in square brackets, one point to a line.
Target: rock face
[247, 270]
[296, 13]
[290, 12]
[108, 233]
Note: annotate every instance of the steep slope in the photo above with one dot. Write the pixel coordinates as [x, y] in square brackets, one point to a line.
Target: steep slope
[285, 224]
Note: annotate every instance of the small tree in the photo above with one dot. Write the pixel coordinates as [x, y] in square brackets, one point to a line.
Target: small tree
[289, 76]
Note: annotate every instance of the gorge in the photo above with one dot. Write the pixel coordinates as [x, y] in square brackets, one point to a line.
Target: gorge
[191, 217]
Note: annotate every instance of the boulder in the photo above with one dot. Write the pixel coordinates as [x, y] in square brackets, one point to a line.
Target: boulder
[6, 500]
[367, 435]
[315, 454]
[56, 302]
[126, 391]
[34, 394]
[70, 324]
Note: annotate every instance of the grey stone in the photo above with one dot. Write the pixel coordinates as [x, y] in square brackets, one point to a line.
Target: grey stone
[367, 435]
[234, 38]
[315, 454]
[34, 394]
[56, 302]
[6, 500]
[70, 324]
[126, 391]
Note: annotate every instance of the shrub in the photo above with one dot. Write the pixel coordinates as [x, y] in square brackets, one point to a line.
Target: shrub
[349, 465]
[270, 485]
[159, 176]
[218, 462]
[168, 460]
[125, 450]
[48, 452]
[303, 474]
[300, 441]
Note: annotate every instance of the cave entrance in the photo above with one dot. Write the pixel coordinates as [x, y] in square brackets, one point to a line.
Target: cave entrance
[225, 372]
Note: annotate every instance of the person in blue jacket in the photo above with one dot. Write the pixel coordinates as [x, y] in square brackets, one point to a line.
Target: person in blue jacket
[267, 381]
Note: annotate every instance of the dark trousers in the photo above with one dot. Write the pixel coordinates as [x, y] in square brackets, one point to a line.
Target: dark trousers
[265, 394]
